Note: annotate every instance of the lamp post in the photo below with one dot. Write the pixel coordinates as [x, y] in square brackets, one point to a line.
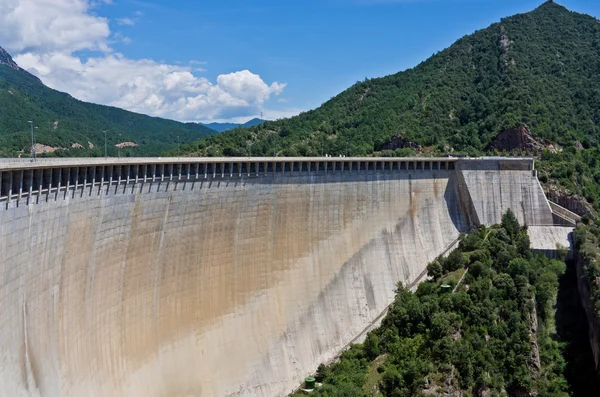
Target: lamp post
[119, 145]
[33, 156]
[105, 146]
[178, 147]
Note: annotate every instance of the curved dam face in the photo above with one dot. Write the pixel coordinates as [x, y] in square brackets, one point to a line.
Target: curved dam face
[224, 277]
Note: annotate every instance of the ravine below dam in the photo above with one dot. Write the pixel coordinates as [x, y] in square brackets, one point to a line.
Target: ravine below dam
[175, 277]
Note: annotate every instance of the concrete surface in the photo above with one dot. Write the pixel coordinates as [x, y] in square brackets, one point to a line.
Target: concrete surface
[220, 287]
[545, 239]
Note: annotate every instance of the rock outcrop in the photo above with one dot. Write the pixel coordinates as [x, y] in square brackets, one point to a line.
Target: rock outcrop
[126, 144]
[397, 142]
[6, 59]
[572, 202]
[518, 138]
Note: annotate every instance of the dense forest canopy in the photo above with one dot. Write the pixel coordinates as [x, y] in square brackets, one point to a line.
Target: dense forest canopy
[63, 121]
[540, 69]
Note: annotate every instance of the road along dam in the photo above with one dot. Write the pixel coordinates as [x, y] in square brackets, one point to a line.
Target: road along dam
[221, 277]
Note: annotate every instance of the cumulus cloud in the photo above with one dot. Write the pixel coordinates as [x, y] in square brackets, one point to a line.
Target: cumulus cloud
[45, 35]
[51, 25]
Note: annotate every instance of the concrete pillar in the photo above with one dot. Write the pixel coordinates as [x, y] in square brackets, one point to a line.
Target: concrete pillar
[84, 180]
[102, 179]
[31, 184]
[111, 169]
[20, 186]
[68, 182]
[93, 181]
[178, 175]
[76, 180]
[120, 172]
[59, 183]
[10, 182]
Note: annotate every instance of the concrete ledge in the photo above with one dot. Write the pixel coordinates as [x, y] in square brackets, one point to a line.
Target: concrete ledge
[565, 213]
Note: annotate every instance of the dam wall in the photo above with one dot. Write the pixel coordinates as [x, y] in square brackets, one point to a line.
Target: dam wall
[216, 277]
[490, 187]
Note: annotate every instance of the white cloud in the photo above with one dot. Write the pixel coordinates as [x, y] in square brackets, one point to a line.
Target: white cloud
[44, 36]
[51, 25]
[125, 21]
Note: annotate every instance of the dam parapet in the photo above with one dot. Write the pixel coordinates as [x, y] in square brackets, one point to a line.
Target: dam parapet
[221, 276]
[21, 178]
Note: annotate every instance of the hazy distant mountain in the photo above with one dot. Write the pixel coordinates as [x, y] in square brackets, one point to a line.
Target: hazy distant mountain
[220, 127]
[66, 122]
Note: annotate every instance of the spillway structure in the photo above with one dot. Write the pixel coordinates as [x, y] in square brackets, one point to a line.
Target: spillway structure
[180, 277]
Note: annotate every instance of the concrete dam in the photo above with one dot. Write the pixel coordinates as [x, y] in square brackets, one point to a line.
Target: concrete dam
[180, 277]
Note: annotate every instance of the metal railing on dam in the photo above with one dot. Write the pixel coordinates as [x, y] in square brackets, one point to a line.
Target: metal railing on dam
[220, 277]
[24, 178]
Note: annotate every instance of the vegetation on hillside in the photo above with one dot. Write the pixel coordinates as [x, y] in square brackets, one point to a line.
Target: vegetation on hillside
[574, 171]
[63, 120]
[494, 334]
[587, 242]
[540, 69]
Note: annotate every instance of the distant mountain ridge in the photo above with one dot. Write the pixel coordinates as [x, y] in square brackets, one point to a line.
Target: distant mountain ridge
[539, 70]
[64, 122]
[220, 127]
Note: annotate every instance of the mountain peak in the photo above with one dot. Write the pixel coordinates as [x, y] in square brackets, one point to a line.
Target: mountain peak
[6, 59]
[551, 5]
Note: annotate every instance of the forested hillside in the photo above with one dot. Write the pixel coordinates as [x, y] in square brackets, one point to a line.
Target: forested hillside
[63, 121]
[540, 69]
[491, 335]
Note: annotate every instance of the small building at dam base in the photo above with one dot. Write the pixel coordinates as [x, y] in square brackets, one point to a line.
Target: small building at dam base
[178, 277]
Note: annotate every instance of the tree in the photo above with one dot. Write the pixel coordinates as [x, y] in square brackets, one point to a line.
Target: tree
[372, 346]
[510, 223]
[435, 270]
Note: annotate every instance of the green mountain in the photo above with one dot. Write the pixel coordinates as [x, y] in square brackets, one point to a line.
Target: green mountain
[540, 69]
[220, 127]
[63, 121]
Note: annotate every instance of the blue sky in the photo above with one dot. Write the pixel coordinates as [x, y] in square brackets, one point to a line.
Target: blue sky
[311, 50]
